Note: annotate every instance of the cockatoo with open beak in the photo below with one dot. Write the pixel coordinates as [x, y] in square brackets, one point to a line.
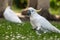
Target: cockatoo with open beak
[40, 23]
[11, 16]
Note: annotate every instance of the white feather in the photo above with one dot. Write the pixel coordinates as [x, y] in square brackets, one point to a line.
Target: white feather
[11, 16]
[41, 23]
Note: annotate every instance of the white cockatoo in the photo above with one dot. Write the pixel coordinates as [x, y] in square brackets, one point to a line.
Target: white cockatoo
[11, 16]
[40, 23]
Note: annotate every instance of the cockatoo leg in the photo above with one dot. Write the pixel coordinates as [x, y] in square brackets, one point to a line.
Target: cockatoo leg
[34, 28]
[45, 31]
[38, 28]
[39, 31]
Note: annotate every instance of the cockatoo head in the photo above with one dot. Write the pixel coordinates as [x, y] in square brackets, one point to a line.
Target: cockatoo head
[28, 11]
[31, 11]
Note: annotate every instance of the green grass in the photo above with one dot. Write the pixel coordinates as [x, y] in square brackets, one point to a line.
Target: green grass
[13, 31]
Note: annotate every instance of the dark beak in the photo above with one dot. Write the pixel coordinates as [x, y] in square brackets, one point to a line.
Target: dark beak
[28, 12]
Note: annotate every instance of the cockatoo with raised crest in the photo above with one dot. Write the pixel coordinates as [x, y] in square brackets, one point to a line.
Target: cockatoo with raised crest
[40, 23]
[11, 16]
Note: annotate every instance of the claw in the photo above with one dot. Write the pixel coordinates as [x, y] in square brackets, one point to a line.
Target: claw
[38, 33]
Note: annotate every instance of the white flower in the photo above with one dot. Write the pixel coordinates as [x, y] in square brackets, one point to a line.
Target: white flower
[12, 38]
[23, 37]
[6, 32]
[18, 36]
[6, 37]
[51, 38]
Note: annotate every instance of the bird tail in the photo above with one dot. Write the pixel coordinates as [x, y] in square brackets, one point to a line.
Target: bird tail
[56, 30]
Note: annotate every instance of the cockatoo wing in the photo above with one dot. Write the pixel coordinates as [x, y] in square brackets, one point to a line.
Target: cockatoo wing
[47, 25]
[11, 16]
[35, 23]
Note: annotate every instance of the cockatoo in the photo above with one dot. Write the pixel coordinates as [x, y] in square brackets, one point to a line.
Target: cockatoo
[40, 23]
[11, 16]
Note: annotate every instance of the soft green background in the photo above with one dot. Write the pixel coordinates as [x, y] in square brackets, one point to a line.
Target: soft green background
[54, 6]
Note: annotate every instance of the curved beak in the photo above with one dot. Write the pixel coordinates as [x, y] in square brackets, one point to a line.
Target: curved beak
[28, 12]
